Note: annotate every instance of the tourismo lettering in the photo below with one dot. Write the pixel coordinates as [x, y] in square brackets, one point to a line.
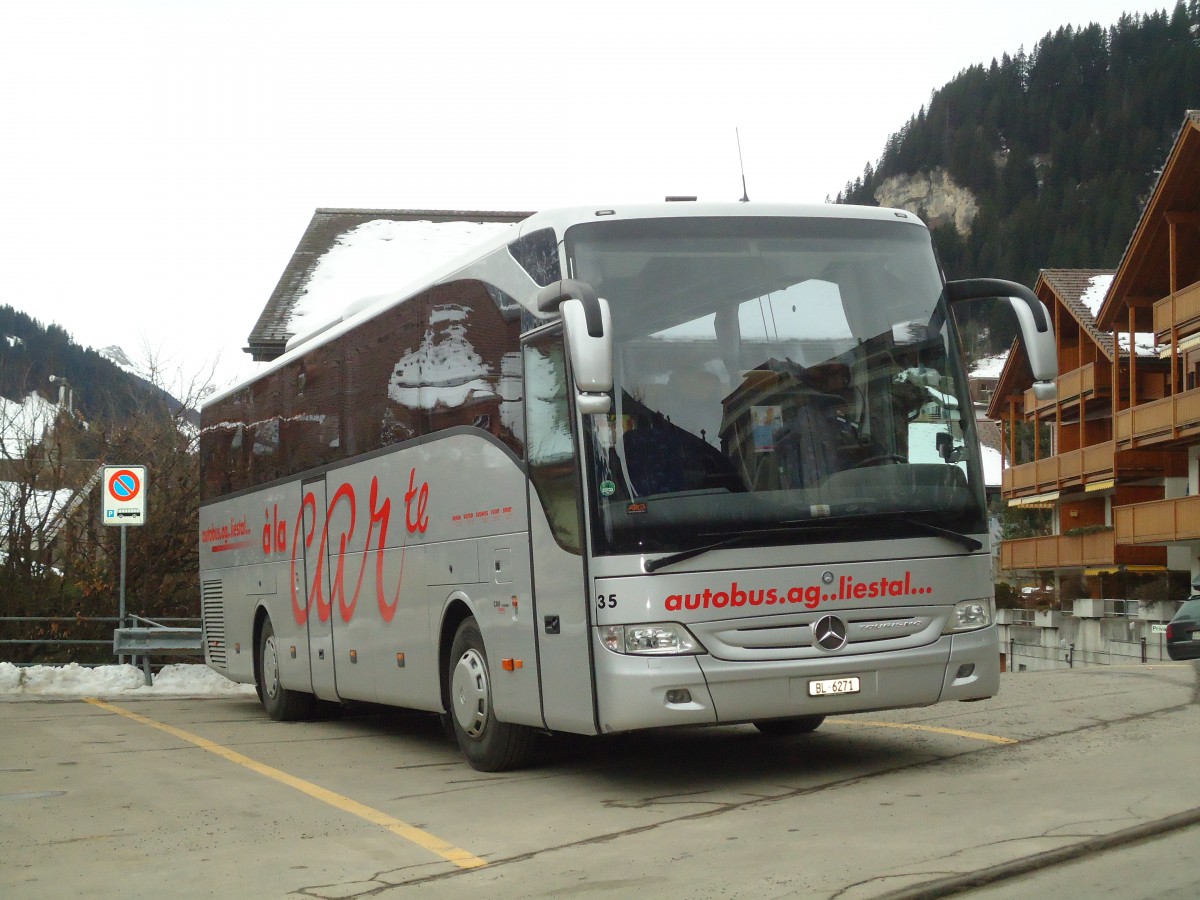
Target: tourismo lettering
[810, 596]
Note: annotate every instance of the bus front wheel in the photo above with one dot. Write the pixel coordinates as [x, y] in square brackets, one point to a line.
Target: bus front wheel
[282, 704]
[789, 727]
[489, 745]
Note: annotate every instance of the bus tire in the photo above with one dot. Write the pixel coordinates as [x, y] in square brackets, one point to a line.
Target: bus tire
[789, 727]
[489, 744]
[281, 704]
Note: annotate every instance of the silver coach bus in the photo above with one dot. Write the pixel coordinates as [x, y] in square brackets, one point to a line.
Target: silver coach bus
[619, 468]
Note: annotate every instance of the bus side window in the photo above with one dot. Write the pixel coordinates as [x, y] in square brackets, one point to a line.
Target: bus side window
[469, 335]
[550, 446]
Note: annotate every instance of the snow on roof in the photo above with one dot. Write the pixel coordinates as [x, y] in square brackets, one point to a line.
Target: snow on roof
[24, 424]
[377, 258]
[1093, 298]
[1097, 289]
[1144, 342]
[989, 366]
[993, 466]
[75, 680]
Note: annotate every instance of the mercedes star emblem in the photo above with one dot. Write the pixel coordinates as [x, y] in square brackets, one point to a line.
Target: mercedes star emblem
[829, 633]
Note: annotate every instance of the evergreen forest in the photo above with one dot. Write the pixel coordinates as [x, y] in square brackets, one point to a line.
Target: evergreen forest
[1061, 145]
[30, 353]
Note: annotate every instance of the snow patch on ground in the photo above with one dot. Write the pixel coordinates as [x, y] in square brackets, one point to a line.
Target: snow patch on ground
[76, 681]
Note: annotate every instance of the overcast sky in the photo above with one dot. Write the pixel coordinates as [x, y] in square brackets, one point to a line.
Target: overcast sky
[162, 158]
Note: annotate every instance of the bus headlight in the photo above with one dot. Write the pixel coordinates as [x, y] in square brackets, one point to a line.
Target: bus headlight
[653, 639]
[969, 615]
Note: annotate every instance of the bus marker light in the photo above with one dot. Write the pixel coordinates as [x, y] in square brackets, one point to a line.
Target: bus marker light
[237, 648]
[293, 650]
[400, 660]
[354, 657]
[509, 665]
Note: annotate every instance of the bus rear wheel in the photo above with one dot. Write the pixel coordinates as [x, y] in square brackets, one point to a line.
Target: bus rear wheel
[281, 704]
[489, 744]
[789, 727]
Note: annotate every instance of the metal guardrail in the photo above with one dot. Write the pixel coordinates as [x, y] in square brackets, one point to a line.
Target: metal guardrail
[155, 638]
[1119, 652]
[136, 637]
[61, 620]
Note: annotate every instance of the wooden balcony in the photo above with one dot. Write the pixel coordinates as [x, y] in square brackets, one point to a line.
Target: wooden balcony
[1035, 407]
[1087, 382]
[1181, 310]
[1158, 522]
[1085, 551]
[1090, 466]
[1159, 422]
[1078, 467]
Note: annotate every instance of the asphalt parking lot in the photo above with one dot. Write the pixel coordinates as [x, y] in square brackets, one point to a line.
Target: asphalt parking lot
[208, 797]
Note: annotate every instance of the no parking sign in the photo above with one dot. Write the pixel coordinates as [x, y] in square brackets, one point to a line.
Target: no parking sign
[124, 495]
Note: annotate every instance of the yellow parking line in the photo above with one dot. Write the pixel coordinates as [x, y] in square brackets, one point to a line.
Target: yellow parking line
[424, 839]
[973, 735]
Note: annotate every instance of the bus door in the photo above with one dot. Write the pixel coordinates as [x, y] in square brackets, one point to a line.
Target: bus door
[561, 612]
[316, 566]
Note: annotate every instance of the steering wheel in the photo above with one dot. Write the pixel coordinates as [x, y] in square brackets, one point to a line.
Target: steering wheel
[880, 460]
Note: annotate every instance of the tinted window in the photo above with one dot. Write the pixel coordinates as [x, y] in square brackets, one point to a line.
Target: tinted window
[449, 357]
[537, 252]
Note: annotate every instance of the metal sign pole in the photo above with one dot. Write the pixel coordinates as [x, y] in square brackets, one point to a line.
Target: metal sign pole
[123, 504]
[121, 614]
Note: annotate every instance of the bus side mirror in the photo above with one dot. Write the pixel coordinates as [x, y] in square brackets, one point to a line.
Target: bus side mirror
[945, 445]
[588, 327]
[1033, 317]
[946, 449]
[591, 356]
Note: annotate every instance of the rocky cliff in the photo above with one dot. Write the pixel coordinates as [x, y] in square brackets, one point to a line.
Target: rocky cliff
[934, 195]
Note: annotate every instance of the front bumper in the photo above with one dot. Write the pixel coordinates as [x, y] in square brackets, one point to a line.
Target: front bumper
[632, 691]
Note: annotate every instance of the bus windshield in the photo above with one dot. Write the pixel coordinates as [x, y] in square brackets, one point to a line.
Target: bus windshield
[771, 375]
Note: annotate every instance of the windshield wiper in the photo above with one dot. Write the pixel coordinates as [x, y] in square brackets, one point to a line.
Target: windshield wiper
[963, 540]
[653, 565]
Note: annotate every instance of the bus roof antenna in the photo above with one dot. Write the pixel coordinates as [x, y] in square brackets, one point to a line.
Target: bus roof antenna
[741, 165]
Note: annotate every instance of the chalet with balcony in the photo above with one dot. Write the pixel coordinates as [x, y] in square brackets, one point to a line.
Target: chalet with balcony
[1114, 458]
[1060, 454]
[1154, 301]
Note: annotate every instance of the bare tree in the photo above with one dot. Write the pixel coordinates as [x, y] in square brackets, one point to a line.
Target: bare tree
[56, 558]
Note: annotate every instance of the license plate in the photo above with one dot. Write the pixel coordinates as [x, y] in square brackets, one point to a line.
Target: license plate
[829, 686]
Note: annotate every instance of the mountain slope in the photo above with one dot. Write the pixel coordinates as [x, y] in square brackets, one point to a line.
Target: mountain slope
[1044, 160]
[31, 353]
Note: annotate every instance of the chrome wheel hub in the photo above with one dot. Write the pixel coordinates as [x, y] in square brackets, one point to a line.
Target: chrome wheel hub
[270, 667]
[470, 694]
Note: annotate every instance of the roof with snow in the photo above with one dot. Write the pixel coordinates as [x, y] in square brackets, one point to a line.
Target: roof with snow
[1145, 270]
[23, 424]
[1081, 292]
[344, 256]
[989, 366]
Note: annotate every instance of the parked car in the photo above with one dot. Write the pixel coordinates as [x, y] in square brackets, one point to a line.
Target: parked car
[1183, 631]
